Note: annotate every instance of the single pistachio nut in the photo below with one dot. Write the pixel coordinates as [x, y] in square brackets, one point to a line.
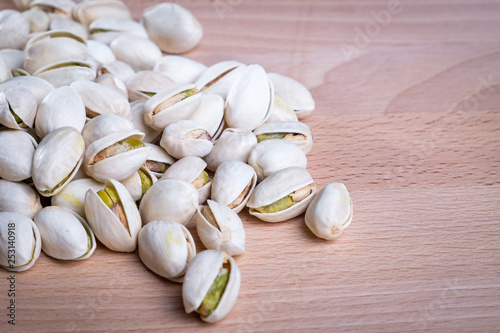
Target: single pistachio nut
[180, 70]
[296, 132]
[18, 235]
[139, 52]
[139, 183]
[103, 125]
[65, 235]
[17, 108]
[158, 160]
[38, 20]
[145, 84]
[72, 196]
[186, 138]
[67, 24]
[16, 155]
[166, 248]
[293, 93]
[220, 228]
[211, 285]
[19, 197]
[330, 212]
[65, 72]
[99, 53]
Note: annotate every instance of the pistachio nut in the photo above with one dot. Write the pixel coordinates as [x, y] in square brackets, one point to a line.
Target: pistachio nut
[38, 20]
[67, 24]
[166, 248]
[296, 132]
[72, 196]
[158, 160]
[19, 235]
[283, 195]
[114, 83]
[17, 108]
[139, 52]
[211, 285]
[220, 228]
[18, 197]
[65, 235]
[218, 78]
[137, 110]
[121, 70]
[145, 84]
[99, 53]
[103, 125]
[281, 111]
[293, 93]
[139, 183]
[180, 70]
[13, 58]
[65, 72]
[14, 29]
[57, 8]
[38, 87]
[186, 138]
[113, 216]
[210, 114]
[16, 155]
[330, 212]
[106, 29]
[88, 11]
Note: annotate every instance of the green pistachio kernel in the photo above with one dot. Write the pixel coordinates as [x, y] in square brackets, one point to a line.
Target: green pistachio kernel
[117, 148]
[201, 180]
[109, 196]
[146, 181]
[16, 117]
[57, 186]
[279, 205]
[270, 136]
[212, 298]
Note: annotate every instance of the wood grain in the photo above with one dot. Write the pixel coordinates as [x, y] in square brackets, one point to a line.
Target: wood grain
[411, 124]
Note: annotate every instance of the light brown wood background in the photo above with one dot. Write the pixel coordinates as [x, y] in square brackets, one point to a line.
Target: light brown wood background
[411, 124]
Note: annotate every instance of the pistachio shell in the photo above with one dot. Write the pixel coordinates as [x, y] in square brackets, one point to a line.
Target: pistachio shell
[139, 52]
[296, 132]
[38, 20]
[180, 70]
[186, 138]
[144, 83]
[20, 103]
[103, 125]
[38, 87]
[137, 110]
[106, 29]
[134, 184]
[65, 235]
[16, 155]
[293, 93]
[28, 242]
[14, 29]
[5, 73]
[72, 196]
[88, 11]
[219, 78]
[99, 53]
[119, 69]
[13, 58]
[110, 81]
[281, 111]
[62, 8]
[210, 114]
[158, 158]
[166, 247]
[18, 197]
[65, 72]
[67, 24]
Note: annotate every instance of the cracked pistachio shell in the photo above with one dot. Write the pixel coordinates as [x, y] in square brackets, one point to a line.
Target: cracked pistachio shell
[293, 93]
[189, 169]
[22, 103]
[67, 24]
[57, 8]
[166, 248]
[18, 197]
[186, 138]
[14, 29]
[330, 212]
[223, 230]
[158, 159]
[72, 196]
[28, 242]
[107, 227]
[88, 11]
[99, 53]
[172, 27]
[65, 72]
[296, 132]
[171, 105]
[139, 52]
[57, 159]
[180, 70]
[114, 83]
[250, 99]
[134, 183]
[169, 200]
[60, 108]
[16, 155]
[200, 275]
[121, 70]
[99, 99]
[281, 111]
[234, 144]
[210, 114]
[233, 183]
[65, 235]
[38, 87]
[218, 78]
[270, 156]
[277, 186]
[117, 166]
[103, 125]
[137, 110]
[106, 29]
[40, 48]
[145, 83]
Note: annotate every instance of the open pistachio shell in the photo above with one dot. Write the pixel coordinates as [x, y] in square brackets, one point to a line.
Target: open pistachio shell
[116, 221]
[145, 84]
[67, 24]
[180, 70]
[65, 235]
[139, 183]
[103, 125]
[57, 159]
[293, 93]
[137, 110]
[72, 196]
[16, 155]
[283, 195]
[220, 228]
[61, 8]
[218, 78]
[18, 197]
[88, 11]
[139, 52]
[186, 138]
[210, 114]
[106, 29]
[38, 87]
[166, 248]
[296, 132]
[211, 285]
[65, 72]
[27, 246]
[158, 160]
[17, 108]
[330, 212]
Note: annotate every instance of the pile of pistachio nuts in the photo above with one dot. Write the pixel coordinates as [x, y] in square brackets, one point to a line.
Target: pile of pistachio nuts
[130, 141]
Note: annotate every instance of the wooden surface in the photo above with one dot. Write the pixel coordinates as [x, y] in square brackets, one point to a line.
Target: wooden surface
[410, 123]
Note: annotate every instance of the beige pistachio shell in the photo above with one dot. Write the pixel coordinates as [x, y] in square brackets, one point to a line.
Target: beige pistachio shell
[99, 53]
[270, 156]
[221, 230]
[106, 29]
[189, 169]
[13, 58]
[166, 248]
[118, 166]
[218, 78]
[186, 138]
[210, 114]
[249, 100]
[62, 107]
[180, 70]
[169, 106]
[103, 125]
[88, 11]
[72, 196]
[114, 83]
[19, 102]
[99, 99]
[65, 235]
[107, 226]
[277, 186]
[172, 27]
[134, 184]
[137, 110]
[158, 158]
[18, 197]
[169, 200]
[67, 24]
[146, 83]
[234, 144]
[38, 87]
[5, 72]
[38, 20]
[281, 111]
[57, 159]
[200, 275]
[296, 132]
[139, 52]
[58, 8]
[233, 183]
[330, 212]
[16, 155]
[27, 245]
[14, 29]
[65, 72]
[294, 93]
[121, 70]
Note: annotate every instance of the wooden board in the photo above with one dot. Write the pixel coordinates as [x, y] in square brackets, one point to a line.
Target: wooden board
[408, 117]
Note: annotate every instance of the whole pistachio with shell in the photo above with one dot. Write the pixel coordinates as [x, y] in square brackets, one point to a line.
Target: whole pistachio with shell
[296, 132]
[16, 155]
[139, 183]
[72, 196]
[19, 197]
[293, 93]
[186, 138]
[158, 160]
[18, 108]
